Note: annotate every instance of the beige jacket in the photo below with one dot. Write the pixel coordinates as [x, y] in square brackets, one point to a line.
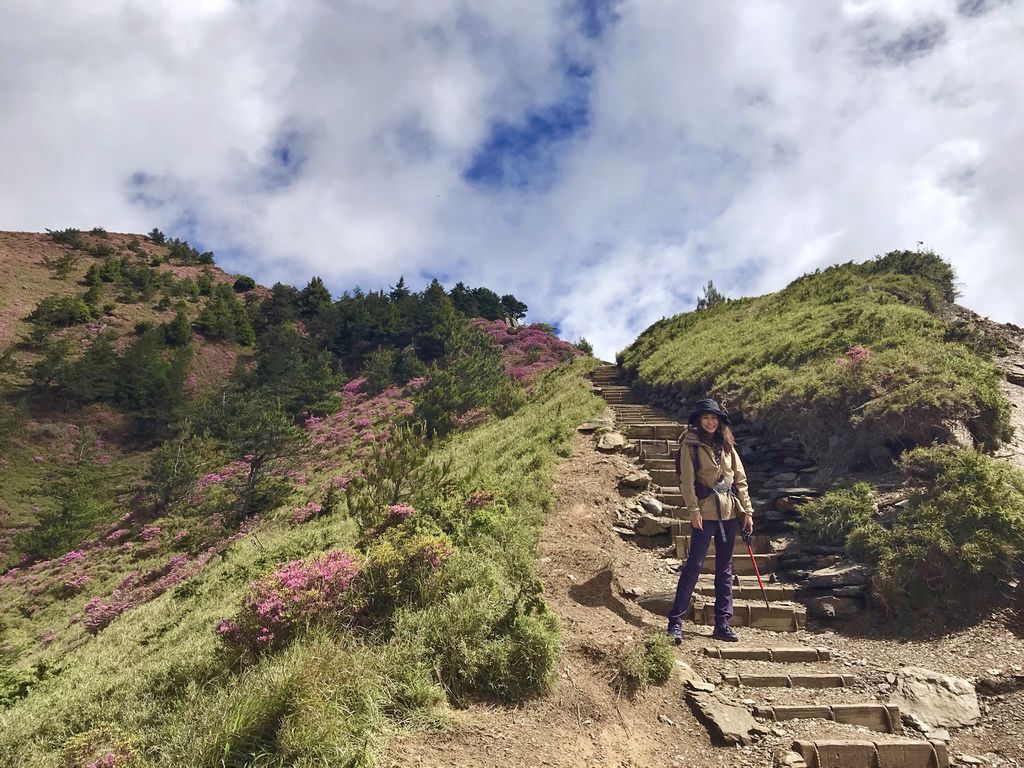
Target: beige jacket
[731, 471]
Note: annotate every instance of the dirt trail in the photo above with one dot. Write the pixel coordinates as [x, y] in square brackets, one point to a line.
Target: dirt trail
[582, 722]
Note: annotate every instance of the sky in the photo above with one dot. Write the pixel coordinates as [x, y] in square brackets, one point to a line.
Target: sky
[600, 160]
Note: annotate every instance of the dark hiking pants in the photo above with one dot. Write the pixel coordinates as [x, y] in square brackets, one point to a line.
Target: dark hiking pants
[699, 543]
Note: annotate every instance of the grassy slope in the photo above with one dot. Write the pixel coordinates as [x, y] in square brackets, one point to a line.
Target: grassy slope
[155, 679]
[776, 357]
[42, 444]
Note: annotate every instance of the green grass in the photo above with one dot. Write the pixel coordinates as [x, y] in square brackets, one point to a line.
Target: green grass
[159, 675]
[775, 357]
[644, 662]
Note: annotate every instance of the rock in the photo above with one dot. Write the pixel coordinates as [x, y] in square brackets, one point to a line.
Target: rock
[971, 760]
[651, 505]
[838, 576]
[785, 477]
[852, 591]
[657, 602]
[785, 758]
[635, 480]
[666, 720]
[791, 503]
[958, 433]
[727, 722]
[831, 607]
[591, 426]
[935, 700]
[940, 734]
[649, 525]
[691, 680]
[801, 491]
[611, 441]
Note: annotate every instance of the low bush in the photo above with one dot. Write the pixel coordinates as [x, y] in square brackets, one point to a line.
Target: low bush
[950, 551]
[831, 518]
[639, 664]
[60, 311]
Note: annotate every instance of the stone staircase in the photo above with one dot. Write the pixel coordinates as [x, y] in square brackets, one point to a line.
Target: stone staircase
[807, 673]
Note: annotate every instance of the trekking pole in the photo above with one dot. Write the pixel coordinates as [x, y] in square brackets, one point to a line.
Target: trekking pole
[747, 538]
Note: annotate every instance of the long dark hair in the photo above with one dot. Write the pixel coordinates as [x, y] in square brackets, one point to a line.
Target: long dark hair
[721, 438]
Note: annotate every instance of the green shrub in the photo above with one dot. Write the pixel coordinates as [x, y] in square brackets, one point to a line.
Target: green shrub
[949, 551]
[224, 317]
[99, 232]
[156, 236]
[60, 311]
[829, 519]
[62, 264]
[640, 664]
[69, 236]
[487, 634]
[244, 283]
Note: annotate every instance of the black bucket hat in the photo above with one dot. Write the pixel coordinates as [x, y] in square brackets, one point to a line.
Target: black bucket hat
[707, 406]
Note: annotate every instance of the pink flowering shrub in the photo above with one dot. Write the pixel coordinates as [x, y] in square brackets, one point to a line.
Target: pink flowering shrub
[137, 588]
[98, 748]
[529, 350]
[296, 595]
[74, 556]
[75, 584]
[854, 357]
[307, 512]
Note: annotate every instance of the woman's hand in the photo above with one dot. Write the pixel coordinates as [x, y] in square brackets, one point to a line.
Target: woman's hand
[748, 522]
[696, 521]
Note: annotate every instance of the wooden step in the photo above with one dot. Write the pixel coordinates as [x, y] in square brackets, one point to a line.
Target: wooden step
[877, 717]
[867, 754]
[774, 592]
[663, 477]
[741, 565]
[660, 431]
[652, 464]
[810, 680]
[787, 655]
[782, 617]
[760, 544]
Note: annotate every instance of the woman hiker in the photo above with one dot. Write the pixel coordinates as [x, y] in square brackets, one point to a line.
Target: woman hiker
[714, 487]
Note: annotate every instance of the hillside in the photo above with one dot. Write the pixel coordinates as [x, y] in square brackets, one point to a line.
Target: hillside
[184, 449]
[858, 362]
[270, 526]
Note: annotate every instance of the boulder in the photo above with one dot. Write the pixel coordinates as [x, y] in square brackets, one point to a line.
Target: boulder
[727, 722]
[657, 602]
[791, 503]
[651, 525]
[848, 575]
[612, 441]
[652, 506]
[934, 700]
[831, 607]
[691, 680]
[635, 481]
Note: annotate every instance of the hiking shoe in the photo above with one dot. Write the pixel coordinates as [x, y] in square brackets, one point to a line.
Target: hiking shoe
[725, 633]
[675, 631]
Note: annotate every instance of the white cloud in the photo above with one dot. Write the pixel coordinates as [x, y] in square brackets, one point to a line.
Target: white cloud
[745, 143]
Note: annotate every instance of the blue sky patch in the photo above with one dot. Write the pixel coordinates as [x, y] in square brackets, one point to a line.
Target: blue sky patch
[524, 154]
